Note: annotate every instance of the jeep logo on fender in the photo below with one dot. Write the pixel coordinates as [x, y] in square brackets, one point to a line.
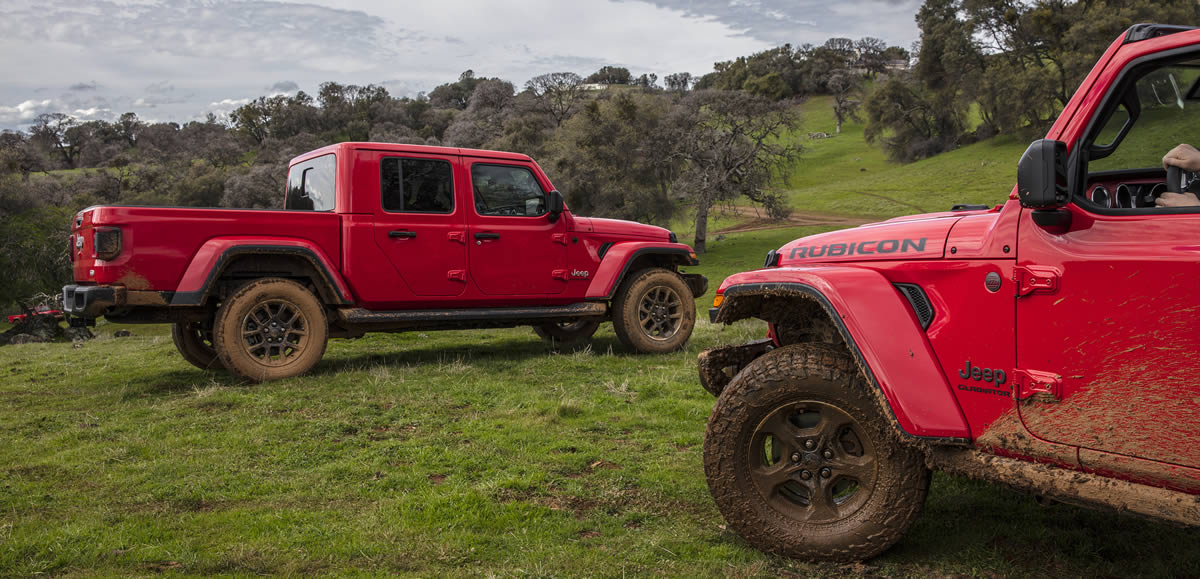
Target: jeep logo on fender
[983, 374]
[860, 248]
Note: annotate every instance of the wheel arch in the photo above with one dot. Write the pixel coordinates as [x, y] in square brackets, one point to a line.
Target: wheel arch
[878, 328]
[221, 261]
[621, 260]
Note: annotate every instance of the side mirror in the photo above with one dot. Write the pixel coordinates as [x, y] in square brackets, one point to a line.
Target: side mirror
[1042, 175]
[556, 206]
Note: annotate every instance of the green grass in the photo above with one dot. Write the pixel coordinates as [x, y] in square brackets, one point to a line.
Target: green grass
[455, 453]
[845, 175]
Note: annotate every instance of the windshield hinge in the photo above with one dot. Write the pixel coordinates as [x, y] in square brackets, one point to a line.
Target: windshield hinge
[1037, 386]
[1035, 279]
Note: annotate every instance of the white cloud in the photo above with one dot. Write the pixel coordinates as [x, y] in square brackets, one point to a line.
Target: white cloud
[25, 111]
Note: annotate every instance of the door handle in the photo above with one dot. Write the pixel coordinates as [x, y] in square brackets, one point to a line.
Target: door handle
[402, 234]
[487, 236]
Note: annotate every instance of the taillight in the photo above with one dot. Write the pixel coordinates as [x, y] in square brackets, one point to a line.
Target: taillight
[107, 242]
[71, 247]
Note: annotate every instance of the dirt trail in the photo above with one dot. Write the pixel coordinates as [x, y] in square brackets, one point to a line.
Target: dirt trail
[757, 220]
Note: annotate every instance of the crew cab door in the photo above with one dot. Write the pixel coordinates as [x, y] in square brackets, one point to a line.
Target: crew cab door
[516, 246]
[419, 223]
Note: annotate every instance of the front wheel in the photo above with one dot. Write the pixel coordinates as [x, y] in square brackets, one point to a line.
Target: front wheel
[270, 329]
[802, 462]
[654, 312]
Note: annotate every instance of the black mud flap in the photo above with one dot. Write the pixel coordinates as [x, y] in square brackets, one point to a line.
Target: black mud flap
[697, 283]
[719, 365]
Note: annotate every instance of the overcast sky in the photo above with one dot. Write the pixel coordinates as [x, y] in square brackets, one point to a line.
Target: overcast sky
[177, 60]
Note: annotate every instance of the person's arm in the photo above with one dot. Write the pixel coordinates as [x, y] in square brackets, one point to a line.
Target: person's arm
[1185, 157]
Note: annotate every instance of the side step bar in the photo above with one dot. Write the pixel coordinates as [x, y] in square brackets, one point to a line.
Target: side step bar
[1072, 487]
[467, 318]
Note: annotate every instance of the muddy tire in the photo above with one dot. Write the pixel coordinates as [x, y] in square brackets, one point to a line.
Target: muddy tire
[569, 333]
[194, 343]
[802, 462]
[270, 329]
[654, 312]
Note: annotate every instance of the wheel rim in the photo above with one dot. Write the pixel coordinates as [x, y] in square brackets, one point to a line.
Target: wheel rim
[275, 332]
[812, 462]
[660, 313]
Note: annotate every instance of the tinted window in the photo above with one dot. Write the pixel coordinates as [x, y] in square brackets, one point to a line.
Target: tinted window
[310, 184]
[507, 190]
[416, 185]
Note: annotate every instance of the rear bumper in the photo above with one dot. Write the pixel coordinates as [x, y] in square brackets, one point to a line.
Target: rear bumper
[93, 301]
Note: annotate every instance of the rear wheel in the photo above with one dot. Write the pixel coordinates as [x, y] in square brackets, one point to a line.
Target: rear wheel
[567, 333]
[195, 343]
[654, 312]
[270, 329]
[802, 462]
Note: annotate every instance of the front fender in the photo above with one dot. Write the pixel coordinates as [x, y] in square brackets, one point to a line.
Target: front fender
[616, 261]
[211, 258]
[877, 324]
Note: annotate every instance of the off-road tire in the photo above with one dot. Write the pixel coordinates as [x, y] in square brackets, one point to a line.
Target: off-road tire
[194, 343]
[629, 315]
[808, 378]
[238, 339]
[567, 334]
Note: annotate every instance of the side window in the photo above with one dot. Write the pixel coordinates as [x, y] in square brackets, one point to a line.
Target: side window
[507, 190]
[1166, 113]
[311, 183]
[416, 185]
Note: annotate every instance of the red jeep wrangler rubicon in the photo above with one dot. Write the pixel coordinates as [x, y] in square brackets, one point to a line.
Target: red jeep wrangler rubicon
[380, 237]
[1046, 344]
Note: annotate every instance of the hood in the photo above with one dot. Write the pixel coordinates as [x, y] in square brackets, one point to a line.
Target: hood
[621, 228]
[912, 237]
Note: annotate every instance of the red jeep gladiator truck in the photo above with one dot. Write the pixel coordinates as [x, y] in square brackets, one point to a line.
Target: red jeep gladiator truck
[380, 237]
[1047, 343]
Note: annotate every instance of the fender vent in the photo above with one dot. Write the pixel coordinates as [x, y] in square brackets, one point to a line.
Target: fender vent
[919, 301]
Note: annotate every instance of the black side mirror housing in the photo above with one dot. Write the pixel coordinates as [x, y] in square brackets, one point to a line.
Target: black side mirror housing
[1042, 175]
[556, 206]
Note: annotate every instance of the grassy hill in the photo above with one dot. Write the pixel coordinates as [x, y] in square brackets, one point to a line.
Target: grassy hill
[843, 174]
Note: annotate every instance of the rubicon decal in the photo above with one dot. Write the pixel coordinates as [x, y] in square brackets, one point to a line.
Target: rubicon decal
[859, 248]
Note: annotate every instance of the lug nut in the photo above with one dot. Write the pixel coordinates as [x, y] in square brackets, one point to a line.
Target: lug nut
[795, 457]
[828, 454]
[826, 472]
[810, 444]
[805, 475]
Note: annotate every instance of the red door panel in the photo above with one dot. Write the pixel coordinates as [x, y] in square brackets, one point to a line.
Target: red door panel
[515, 248]
[420, 224]
[1120, 328]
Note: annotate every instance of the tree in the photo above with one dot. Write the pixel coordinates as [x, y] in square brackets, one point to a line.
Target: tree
[610, 75]
[484, 118]
[872, 55]
[557, 93]
[679, 82]
[846, 88]
[732, 146]
[647, 81]
[49, 130]
[615, 158]
[455, 95]
[908, 121]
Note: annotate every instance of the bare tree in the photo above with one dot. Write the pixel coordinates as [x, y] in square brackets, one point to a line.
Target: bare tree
[846, 88]
[872, 56]
[557, 93]
[732, 146]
